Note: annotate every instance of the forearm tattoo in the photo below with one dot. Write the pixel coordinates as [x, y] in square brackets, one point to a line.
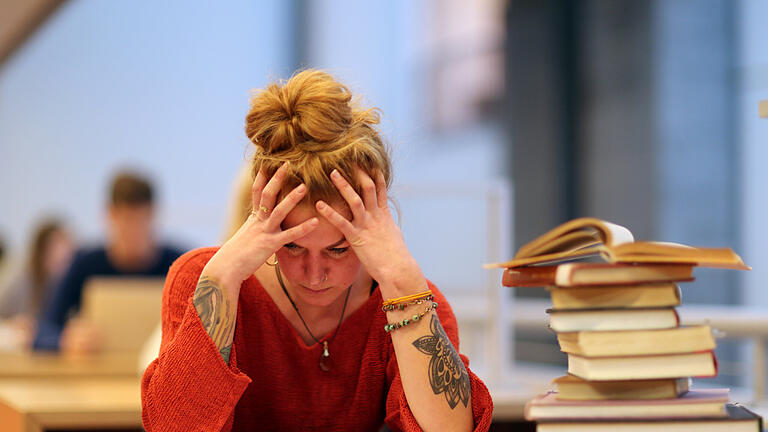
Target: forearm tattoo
[216, 313]
[447, 373]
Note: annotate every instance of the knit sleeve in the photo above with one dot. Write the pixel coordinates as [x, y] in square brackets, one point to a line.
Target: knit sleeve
[188, 386]
[398, 413]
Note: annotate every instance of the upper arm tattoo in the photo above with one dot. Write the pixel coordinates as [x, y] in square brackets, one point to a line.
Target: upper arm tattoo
[216, 314]
[447, 373]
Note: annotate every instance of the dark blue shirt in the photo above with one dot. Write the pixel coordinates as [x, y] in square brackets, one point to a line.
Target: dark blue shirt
[68, 294]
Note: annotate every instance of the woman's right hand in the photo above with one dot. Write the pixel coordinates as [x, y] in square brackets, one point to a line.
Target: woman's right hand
[261, 235]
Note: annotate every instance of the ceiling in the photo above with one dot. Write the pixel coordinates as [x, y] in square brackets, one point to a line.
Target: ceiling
[19, 19]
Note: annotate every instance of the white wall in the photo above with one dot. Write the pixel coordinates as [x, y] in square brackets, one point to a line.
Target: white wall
[753, 19]
[379, 48]
[158, 85]
[164, 86]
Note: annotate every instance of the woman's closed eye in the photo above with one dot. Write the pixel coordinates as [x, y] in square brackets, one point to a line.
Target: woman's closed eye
[338, 251]
[294, 249]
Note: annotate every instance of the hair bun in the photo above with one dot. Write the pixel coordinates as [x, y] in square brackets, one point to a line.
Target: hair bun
[308, 111]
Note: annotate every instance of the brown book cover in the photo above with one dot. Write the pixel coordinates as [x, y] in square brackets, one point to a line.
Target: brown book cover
[596, 274]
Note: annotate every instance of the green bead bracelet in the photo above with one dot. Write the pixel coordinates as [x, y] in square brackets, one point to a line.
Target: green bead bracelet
[389, 327]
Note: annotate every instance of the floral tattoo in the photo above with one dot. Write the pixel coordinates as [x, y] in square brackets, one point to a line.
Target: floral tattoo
[447, 373]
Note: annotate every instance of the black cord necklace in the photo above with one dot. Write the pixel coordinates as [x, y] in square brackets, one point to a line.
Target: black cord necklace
[325, 358]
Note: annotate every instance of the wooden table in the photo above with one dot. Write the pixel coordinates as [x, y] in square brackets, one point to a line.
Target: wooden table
[52, 365]
[36, 405]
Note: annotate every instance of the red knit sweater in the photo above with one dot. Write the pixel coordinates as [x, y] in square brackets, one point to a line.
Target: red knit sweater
[273, 381]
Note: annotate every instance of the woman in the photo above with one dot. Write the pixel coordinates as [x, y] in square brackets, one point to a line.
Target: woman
[22, 299]
[283, 327]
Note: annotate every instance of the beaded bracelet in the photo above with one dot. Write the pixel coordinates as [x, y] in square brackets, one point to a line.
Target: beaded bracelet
[402, 306]
[394, 326]
[407, 298]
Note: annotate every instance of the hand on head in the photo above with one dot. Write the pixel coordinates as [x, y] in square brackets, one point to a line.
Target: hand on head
[312, 121]
[261, 234]
[373, 234]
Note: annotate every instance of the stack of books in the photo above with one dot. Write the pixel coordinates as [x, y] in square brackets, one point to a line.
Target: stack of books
[629, 360]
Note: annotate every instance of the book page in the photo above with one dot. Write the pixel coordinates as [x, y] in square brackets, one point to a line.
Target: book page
[576, 238]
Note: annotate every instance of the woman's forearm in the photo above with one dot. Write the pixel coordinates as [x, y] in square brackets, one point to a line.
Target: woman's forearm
[435, 380]
[216, 304]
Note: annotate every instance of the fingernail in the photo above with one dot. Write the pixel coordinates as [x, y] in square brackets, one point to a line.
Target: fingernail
[320, 205]
[335, 173]
[301, 188]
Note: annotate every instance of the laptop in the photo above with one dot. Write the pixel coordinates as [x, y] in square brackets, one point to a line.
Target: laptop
[125, 309]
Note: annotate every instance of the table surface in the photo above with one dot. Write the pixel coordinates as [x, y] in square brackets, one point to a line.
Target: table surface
[34, 405]
[52, 365]
[55, 390]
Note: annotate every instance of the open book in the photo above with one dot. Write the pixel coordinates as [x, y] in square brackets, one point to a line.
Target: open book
[586, 237]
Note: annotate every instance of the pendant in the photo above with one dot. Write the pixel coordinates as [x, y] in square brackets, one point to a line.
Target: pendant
[325, 358]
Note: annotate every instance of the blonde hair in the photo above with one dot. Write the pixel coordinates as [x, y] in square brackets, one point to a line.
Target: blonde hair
[240, 201]
[311, 121]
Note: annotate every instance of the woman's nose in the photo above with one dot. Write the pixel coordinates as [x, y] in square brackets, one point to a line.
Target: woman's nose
[316, 271]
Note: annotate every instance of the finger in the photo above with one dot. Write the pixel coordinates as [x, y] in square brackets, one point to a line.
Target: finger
[335, 218]
[381, 190]
[349, 195]
[256, 188]
[298, 231]
[286, 205]
[269, 194]
[368, 188]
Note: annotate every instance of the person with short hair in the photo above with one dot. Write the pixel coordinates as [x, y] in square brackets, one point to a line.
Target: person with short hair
[131, 250]
[313, 315]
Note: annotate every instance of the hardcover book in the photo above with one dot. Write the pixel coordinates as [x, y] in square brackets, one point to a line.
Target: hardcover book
[637, 342]
[694, 403]
[596, 274]
[570, 387]
[570, 320]
[612, 296]
[615, 244]
[700, 364]
[737, 419]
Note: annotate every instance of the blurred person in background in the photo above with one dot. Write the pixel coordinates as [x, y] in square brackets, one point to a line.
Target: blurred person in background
[27, 288]
[240, 209]
[131, 250]
[313, 315]
[2, 257]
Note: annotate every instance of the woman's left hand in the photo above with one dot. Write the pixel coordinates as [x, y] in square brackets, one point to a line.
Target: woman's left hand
[374, 236]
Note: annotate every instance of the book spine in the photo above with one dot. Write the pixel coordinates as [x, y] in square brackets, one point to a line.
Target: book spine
[531, 277]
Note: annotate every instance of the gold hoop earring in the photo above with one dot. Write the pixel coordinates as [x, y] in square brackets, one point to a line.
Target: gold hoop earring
[271, 264]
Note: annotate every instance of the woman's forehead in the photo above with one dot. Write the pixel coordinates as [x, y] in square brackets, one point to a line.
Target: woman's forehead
[303, 212]
[324, 235]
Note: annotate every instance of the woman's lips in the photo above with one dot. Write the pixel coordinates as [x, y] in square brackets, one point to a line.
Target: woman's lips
[315, 291]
